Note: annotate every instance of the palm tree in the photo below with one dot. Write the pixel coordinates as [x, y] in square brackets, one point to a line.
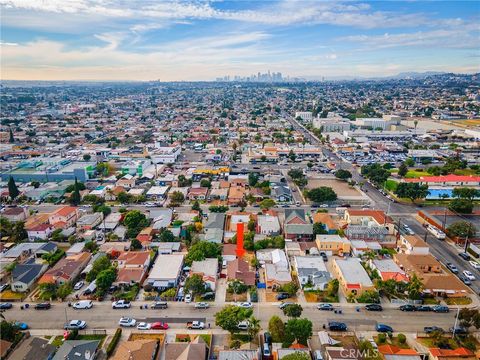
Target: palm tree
[414, 287]
[253, 327]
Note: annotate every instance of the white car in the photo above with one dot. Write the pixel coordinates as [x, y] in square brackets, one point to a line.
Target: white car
[188, 298]
[144, 326]
[127, 322]
[475, 264]
[324, 206]
[245, 305]
[469, 275]
[202, 305]
[78, 285]
[83, 304]
[75, 325]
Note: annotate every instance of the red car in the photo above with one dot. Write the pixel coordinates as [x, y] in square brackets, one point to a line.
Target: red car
[159, 326]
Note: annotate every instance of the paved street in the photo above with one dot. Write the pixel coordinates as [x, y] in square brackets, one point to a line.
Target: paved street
[102, 316]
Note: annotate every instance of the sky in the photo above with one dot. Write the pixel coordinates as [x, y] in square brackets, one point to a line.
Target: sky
[202, 40]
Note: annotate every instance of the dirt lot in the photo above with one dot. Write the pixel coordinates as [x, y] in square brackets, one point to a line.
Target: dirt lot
[340, 187]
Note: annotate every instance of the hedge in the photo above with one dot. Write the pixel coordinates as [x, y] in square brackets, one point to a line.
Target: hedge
[113, 344]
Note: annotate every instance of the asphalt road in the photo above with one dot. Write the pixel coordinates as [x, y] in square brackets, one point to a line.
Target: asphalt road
[102, 316]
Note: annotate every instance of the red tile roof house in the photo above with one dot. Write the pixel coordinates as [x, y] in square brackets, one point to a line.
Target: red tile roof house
[239, 269]
[66, 269]
[132, 267]
[40, 232]
[67, 215]
[448, 180]
[199, 193]
[446, 354]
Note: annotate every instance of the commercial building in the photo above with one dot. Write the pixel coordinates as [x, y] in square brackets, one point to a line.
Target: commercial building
[166, 271]
[353, 278]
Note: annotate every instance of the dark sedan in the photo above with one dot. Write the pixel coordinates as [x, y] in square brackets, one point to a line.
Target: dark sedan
[373, 307]
[43, 306]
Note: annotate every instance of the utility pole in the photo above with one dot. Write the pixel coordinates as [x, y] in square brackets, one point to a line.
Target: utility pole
[466, 245]
[456, 321]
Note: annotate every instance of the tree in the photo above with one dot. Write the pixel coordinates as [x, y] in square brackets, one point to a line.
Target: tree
[202, 250]
[276, 327]
[292, 156]
[368, 352]
[124, 198]
[205, 183]
[135, 221]
[8, 330]
[299, 330]
[75, 198]
[376, 173]
[412, 191]
[218, 208]
[466, 193]
[298, 355]
[177, 197]
[104, 280]
[169, 294]
[291, 288]
[319, 228]
[293, 310]
[343, 174]
[462, 229]
[135, 244]
[11, 138]
[195, 285]
[104, 209]
[414, 288]
[461, 206]
[295, 173]
[104, 168]
[253, 327]
[18, 232]
[252, 179]
[409, 162]
[102, 263]
[13, 191]
[196, 206]
[81, 186]
[402, 169]
[322, 194]
[469, 317]
[87, 157]
[64, 290]
[166, 236]
[230, 316]
[267, 204]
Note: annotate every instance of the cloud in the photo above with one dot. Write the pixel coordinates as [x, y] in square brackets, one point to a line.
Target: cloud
[459, 37]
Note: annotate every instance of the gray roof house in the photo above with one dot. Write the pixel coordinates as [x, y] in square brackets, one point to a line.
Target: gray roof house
[297, 225]
[282, 193]
[24, 275]
[33, 348]
[312, 270]
[77, 350]
[214, 228]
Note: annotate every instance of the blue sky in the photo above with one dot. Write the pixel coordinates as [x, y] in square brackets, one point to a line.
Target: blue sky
[200, 40]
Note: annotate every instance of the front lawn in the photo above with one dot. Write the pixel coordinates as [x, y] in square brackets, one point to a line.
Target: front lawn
[414, 174]
[128, 293]
[391, 185]
[458, 301]
[9, 295]
[319, 296]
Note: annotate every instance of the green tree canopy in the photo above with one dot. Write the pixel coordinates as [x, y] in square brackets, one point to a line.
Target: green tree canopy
[276, 327]
[299, 330]
[230, 316]
[13, 191]
[267, 204]
[102, 263]
[412, 191]
[343, 174]
[376, 173]
[462, 229]
[202, 250]
[402, 170]
[322, 194]
[293, 310]
[461, 206]
[195, 285]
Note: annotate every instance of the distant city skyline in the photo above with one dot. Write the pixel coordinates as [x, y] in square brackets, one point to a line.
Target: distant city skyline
[191, 40]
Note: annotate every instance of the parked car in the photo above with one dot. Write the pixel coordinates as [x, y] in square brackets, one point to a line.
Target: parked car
[282, 296]
[143, 326]
[5, 305]
[458, 330]
[469, 275]
[43, 306]
[408, 307]
[440, 309]
[465, 256]
[408, 230]
[159, 326]
[452, 268]
[424, 308]
[78, 285]
[383, 328]
[83, 304]
[195, 325]
[243, 325]
[4, 287]
[75, 325]
[208, 295]
[324, 256]
[21, 325]
[267, 338]
[326, 307]
[121, 304]
[337, 326]
[431, 329]
[246, 305]
[188, 298]
[202, 305]
[475, 264]
[159, 305]
[285, 304]
[373, 307]
[465, 280]
[127, 322]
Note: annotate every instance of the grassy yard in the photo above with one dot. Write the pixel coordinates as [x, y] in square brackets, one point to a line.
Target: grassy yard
[430, 301]
[391, 185]
[9, 295]
[413, 174]
[429, 342]
[319, 296]
[393, 341]
[58, 341]
[458, 301]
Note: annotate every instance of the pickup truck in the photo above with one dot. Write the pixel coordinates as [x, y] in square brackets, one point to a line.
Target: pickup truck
[121, 304]
[196, 325]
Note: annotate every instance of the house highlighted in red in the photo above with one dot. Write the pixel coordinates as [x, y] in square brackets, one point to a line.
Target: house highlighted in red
[240, 230]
